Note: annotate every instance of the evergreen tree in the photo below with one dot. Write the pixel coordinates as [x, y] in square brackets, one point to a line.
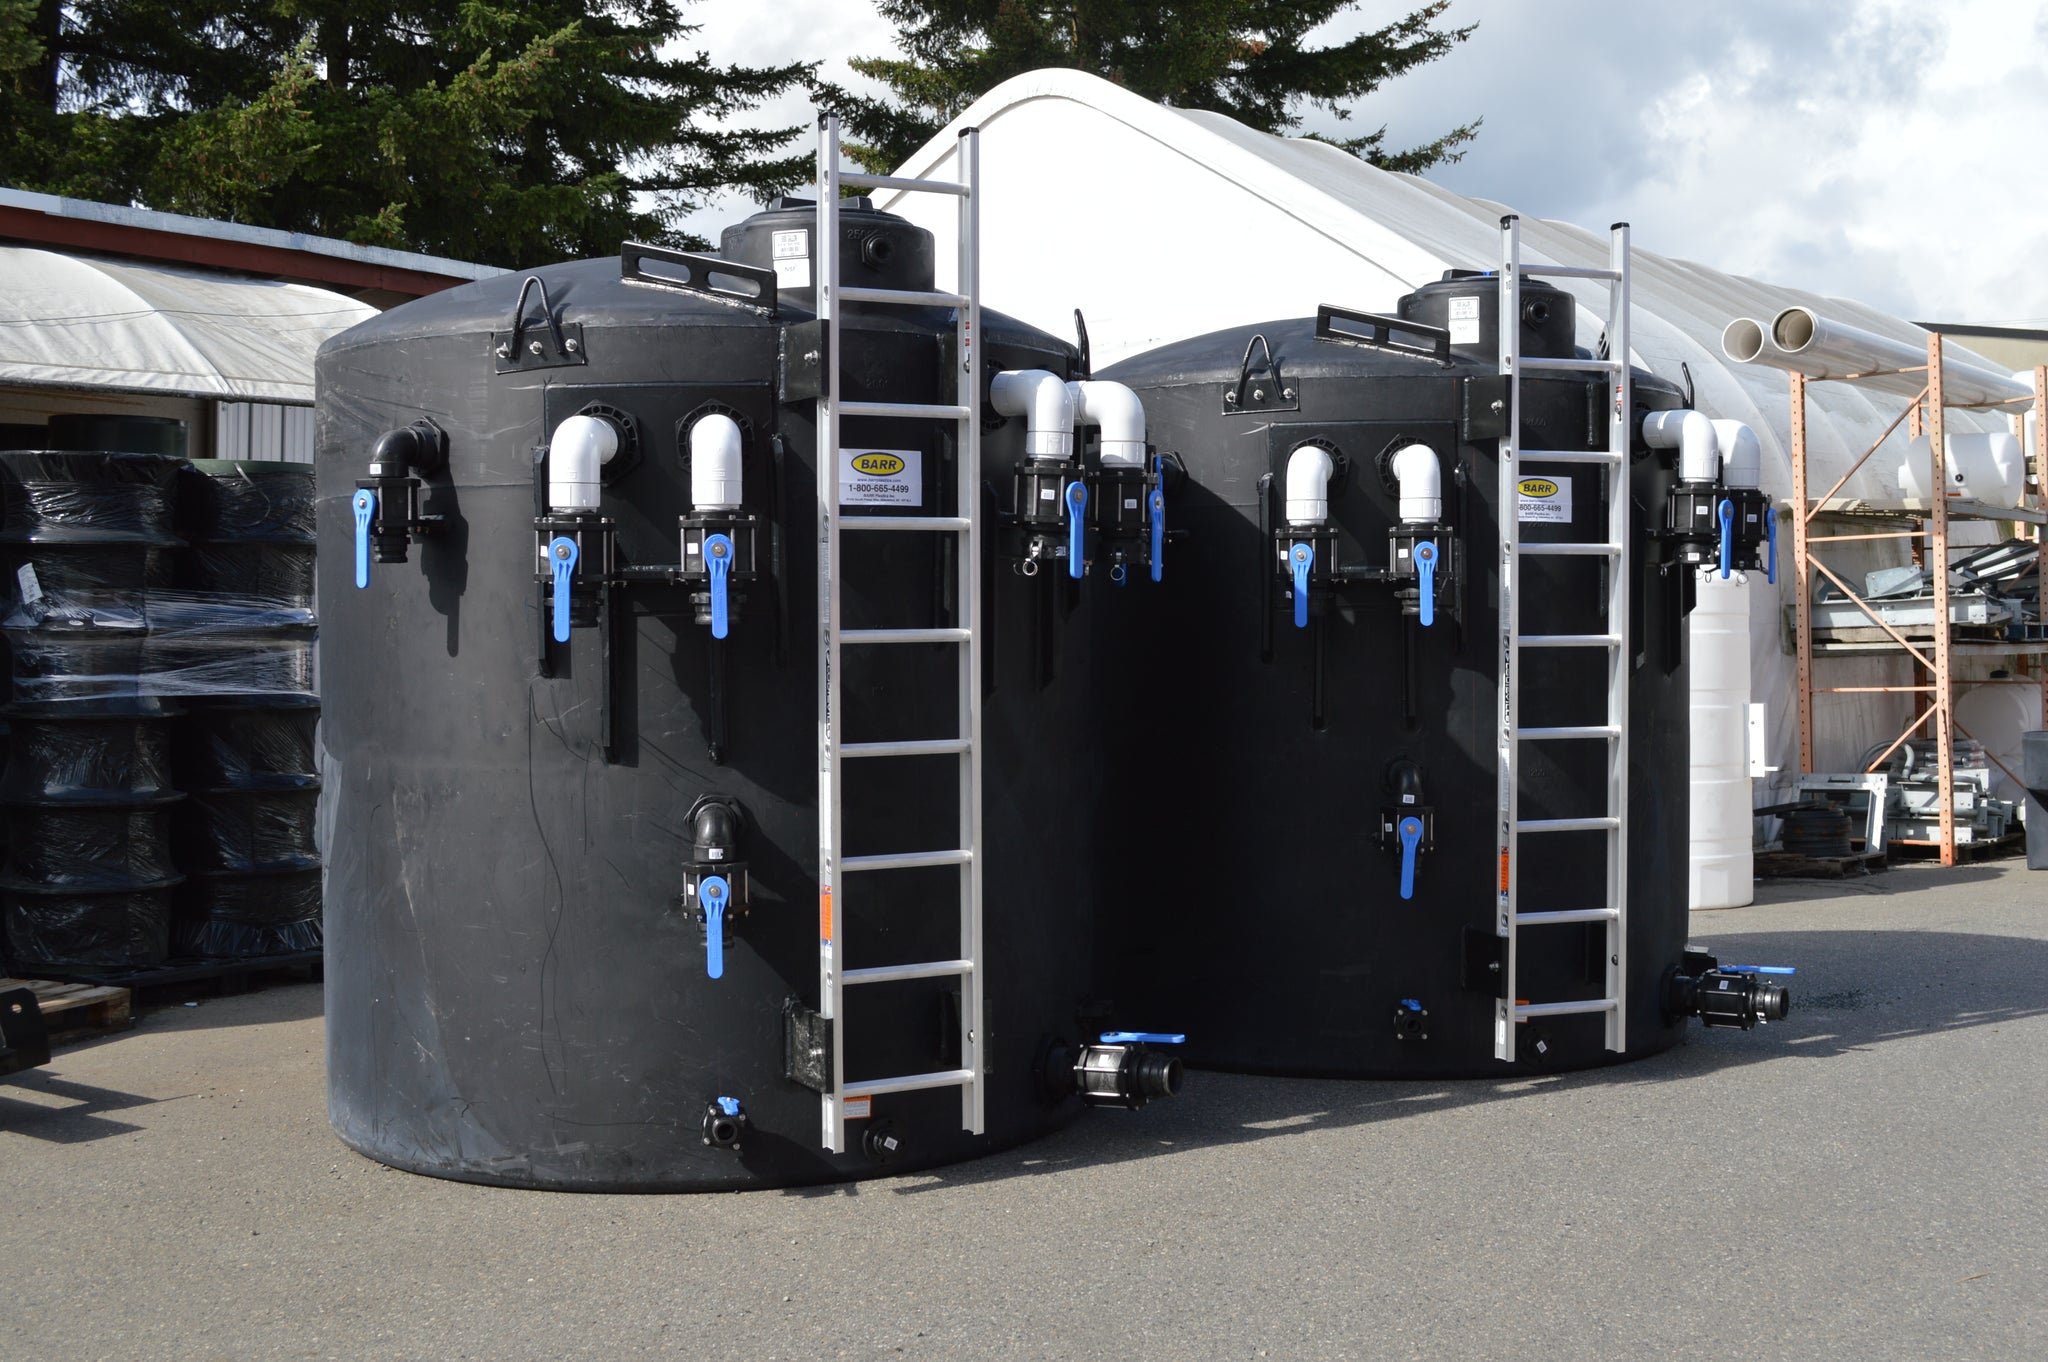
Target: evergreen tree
[1249, 59]
[510, 132]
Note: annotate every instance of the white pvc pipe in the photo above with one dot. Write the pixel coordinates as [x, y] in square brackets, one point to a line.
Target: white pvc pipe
[1046, 402]
[715, 465]
[1742, 340]
[1120, 414]
[1742, 455]
[1820, 348]
[581, 446]
[1691, 433]
[1308, 485]
[1422, 484]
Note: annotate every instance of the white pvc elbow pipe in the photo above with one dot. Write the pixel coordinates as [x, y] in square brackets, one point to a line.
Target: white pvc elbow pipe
[1120, 414]
[715, 465]
[1308, 485]
[1742, 455]
[1046, 403]
[1691, 433]
[1422, 484]
[579, 450]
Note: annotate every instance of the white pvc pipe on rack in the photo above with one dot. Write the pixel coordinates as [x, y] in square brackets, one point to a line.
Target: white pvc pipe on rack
[1046, 402]
[579, 449]
[1812, 345]
[1691, 433]
[1422, 484]
[715, 465]
[1308, 485]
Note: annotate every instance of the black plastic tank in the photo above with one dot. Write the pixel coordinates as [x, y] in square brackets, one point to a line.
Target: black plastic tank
[515, 992]
[1277, 772]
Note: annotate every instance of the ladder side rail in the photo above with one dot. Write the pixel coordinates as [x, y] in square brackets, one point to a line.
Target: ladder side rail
[831, 902]
[967, 489]
[1620, 428]
[1506, 721]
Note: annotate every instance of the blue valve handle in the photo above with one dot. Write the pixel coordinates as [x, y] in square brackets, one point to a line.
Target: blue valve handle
[730, 1106]
[1425, 580]
[1727, 536]
[712, 892]
[1158, 533]
[1300, 559]
[718, 561]
[1759, 969]
[1411, 838]
[364, 505]
[562, 553]
[1077, 502]
[1144, 1037]
[1771, 534]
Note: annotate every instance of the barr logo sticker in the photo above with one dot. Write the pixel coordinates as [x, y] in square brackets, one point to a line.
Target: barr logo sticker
[1538, 487]
[877, 465]
[1544, 501]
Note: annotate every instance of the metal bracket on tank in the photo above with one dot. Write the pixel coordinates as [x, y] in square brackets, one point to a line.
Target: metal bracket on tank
[520, 349]
[727, 281]
[806, 1047]
[1379, 333]
[1271, 393]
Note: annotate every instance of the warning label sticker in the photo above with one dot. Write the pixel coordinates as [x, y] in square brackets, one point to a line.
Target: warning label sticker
[1464, 321]
[856, 1108]
[792, 255]
[1544, 501]
[880, 477]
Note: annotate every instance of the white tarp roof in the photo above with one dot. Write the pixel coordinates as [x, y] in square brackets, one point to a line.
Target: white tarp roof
[83, 322]
[1161, 224]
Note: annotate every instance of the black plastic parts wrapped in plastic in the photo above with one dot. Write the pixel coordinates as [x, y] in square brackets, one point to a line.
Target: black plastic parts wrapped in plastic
[246, 502]
[248, 830]
[112, 929]
[115, 645]
[88, 754]
[64, 847]
[230, 916]
[230, 745]
[50, 497]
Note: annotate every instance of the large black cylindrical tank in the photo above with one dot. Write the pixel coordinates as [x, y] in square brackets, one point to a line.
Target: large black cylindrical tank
[514, 994]
[1262, 760]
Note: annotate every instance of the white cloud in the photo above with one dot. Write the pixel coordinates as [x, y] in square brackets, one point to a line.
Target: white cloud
[1882, 150]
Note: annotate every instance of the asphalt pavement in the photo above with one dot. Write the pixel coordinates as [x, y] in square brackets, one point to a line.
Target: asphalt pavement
[1865, 1180]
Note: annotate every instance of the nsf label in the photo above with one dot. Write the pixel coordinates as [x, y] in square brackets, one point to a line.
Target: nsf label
[880, 477]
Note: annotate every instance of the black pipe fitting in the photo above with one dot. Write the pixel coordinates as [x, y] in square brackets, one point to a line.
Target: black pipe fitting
[882, 1141]
[725, 1124]
[1741, 998]
[1124, 1074]
[398, 460]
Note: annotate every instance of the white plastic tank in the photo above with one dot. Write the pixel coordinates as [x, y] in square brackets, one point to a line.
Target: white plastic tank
[1722, 870]
[1996, 716]
[1982, 465]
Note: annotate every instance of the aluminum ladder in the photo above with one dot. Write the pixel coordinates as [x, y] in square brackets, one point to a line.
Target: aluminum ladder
[842, 1099]
[1510, 734]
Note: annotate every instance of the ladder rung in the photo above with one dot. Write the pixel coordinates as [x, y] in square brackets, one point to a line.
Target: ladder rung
[1570, 455]
[886, 974]
[1602, 365]
[1570, 640]
[1571, 1009]
[905, 522]
[1571, 272]
[903, 297]
[904, 635]
[1568, 731]
[921, 747]
[905, 860]
[1567, 915]
[848, 180]
[1567, 824]
[1569, 550]
[875, 1087]
[921, 411]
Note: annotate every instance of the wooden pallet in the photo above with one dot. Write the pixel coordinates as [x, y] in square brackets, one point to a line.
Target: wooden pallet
[68, 1007]
[2012, 844]
[1790, 864]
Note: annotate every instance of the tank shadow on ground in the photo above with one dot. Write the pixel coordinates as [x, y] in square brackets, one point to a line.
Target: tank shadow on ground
[1855, 990]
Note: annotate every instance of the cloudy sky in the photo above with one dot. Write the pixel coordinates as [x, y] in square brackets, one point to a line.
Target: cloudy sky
[1885, 150]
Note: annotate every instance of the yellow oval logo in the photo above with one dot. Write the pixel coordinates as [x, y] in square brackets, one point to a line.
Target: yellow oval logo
[1538, 487]
[877, 465]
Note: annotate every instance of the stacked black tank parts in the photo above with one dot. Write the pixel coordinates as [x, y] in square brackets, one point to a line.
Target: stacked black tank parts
[89, 870]
[244, 748]
[1315, 768]
[570, 765]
